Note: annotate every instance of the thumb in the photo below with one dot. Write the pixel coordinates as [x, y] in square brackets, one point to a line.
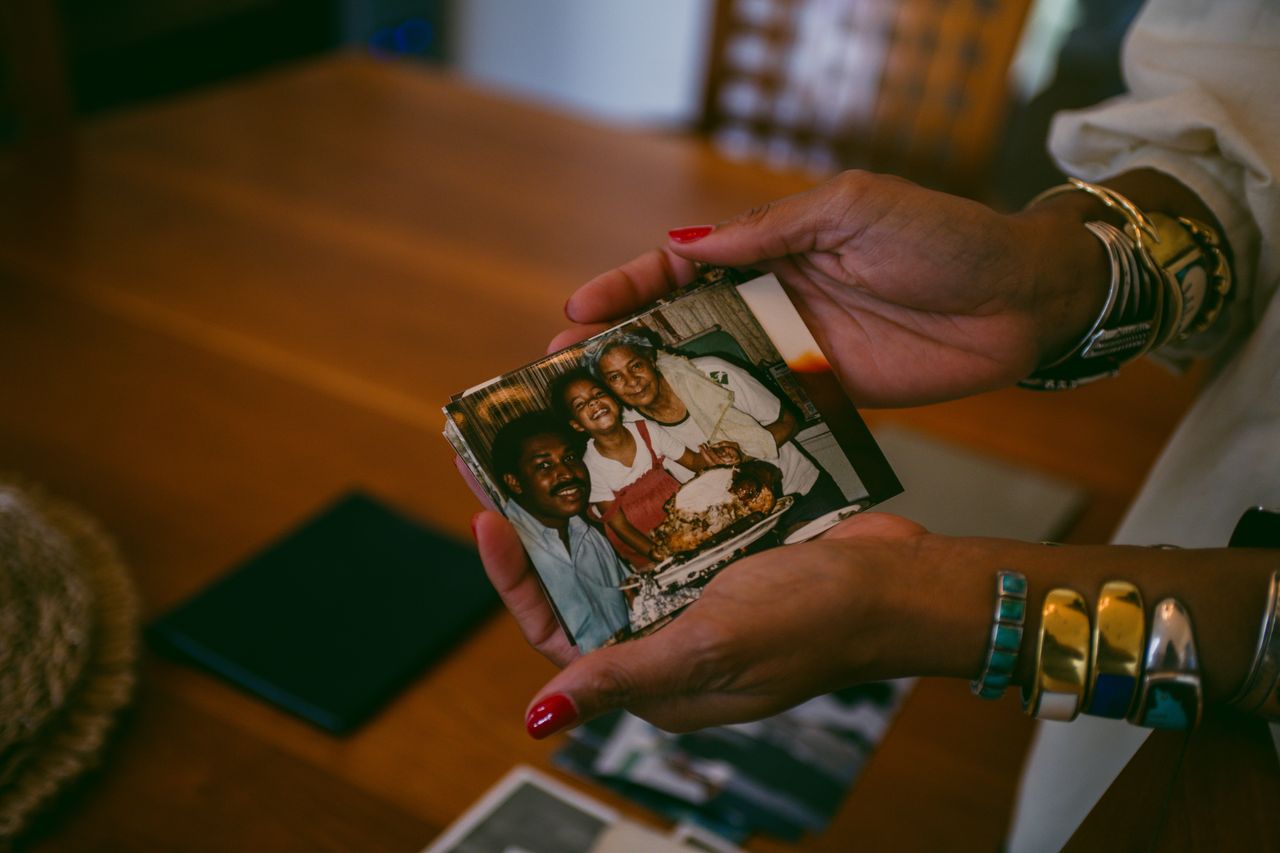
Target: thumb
[812, 220]
[619, 676]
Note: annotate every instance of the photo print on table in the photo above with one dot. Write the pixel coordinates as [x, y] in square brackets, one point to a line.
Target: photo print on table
[528, 811]
[637, 464]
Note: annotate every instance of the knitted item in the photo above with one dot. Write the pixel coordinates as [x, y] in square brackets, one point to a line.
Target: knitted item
[68, 646]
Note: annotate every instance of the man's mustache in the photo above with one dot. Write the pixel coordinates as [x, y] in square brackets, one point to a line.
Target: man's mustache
[567, 485]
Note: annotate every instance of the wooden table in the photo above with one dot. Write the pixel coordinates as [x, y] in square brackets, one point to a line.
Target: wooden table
[218, 313]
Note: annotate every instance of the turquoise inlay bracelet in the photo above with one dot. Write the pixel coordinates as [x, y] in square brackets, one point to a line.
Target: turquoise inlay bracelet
[1006, 635]
[1171, 695]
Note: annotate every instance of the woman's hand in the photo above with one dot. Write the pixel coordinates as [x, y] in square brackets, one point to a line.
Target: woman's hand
[721, 453]
[513, 576]
[768, 632]
[875, 597]
[916, 296]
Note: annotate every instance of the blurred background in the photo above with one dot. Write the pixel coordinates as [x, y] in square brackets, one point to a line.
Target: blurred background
[953, 93]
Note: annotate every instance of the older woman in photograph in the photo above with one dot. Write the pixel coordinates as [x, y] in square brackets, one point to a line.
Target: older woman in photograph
[708, 401]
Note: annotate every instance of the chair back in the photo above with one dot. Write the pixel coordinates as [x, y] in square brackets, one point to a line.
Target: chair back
[914, 87]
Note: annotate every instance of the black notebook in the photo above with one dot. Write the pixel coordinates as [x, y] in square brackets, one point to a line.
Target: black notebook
[334, 618]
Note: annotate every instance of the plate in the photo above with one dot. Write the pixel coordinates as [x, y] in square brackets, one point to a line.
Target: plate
[823, 523]
[672, 573]
[669, 587]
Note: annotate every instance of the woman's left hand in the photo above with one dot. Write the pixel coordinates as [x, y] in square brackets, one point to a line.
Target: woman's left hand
[875, 597]
[721, 453]
[769, 631]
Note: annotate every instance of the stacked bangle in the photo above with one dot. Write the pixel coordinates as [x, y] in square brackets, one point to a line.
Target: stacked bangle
[1116, 661]
[1171, 696]
[1113, 667]
[1006, 635]
[1170, 279]
[1260, 693]
[1056, 691]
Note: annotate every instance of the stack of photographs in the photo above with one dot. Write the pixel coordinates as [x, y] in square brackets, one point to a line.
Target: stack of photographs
[529, 812]
[782, 776]
[639, 463]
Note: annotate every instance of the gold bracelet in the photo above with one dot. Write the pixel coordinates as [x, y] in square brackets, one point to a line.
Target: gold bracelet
[1190, 256]
[1221, 282]
[1062, 658]
[1260, 693]
[1116, 662]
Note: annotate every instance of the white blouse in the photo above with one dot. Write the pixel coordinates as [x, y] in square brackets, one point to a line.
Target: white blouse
[1203, 108]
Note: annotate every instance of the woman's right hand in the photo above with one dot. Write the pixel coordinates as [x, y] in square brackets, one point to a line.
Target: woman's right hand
[916, 296]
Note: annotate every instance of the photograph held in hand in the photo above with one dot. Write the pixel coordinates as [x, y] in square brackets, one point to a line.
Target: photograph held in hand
[637, 464]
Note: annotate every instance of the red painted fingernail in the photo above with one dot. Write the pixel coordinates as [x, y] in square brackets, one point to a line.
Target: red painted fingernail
[475, 520]
[549, 716]
[688, 235]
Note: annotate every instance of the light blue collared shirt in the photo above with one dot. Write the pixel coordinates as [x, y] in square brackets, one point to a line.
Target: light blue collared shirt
[582, 581]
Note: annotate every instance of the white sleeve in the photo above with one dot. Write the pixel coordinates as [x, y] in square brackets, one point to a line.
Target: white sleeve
[749, 395]
[601, 490]
[1202, 108]
[664, 443]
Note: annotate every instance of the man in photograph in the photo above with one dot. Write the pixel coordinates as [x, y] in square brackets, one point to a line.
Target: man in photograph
[710, 400]
[538, 460]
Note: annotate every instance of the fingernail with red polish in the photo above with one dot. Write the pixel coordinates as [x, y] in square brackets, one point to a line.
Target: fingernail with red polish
[688, 235]
[549, 716]
[475, 520]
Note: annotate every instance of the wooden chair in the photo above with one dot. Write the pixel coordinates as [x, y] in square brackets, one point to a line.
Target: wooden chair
[916, 87]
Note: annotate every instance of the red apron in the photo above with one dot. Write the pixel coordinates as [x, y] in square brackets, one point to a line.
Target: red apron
[642, 503]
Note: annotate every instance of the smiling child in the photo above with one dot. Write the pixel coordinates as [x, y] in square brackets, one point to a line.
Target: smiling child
[629, 484]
